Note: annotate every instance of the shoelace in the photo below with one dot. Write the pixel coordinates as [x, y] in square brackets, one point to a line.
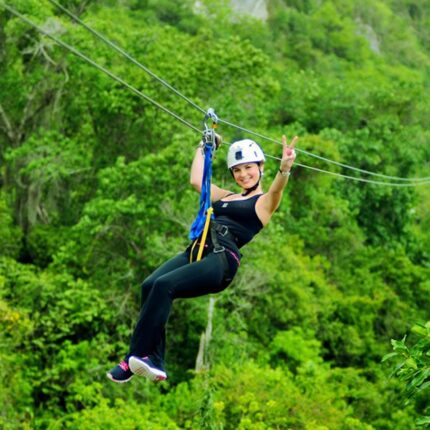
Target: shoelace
[124, 366]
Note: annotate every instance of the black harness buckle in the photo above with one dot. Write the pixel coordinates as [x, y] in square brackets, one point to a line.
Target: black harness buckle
[218, 249]
[222, 230]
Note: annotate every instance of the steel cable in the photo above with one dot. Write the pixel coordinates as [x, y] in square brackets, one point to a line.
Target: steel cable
[144, 96]
[188, 100]
[98, 66]
[125, 54]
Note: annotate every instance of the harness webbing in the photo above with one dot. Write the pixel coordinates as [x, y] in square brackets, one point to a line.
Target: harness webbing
[201, 223]
[205, 233]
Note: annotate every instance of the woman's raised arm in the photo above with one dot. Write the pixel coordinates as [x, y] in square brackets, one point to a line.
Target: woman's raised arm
[196, 175]
[270, 201]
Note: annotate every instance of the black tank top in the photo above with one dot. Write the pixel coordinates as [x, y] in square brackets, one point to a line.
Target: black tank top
[240, 218]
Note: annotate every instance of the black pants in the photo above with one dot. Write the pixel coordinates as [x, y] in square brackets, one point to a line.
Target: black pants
[177, 278]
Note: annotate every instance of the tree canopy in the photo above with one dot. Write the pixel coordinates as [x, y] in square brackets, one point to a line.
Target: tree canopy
[94, 194]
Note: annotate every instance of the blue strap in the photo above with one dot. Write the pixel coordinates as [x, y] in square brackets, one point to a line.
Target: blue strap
[205, 195]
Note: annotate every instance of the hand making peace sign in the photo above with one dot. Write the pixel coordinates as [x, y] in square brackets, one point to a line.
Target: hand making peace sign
[288, 153]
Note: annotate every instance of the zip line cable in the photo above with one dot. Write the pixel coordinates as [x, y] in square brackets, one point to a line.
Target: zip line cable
[423, 179]
[178, 93]
[144, 96]
[99, 67]
[353, 178]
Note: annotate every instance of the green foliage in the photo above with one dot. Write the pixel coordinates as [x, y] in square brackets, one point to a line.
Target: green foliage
[10, 234]
[121, 415]
[47, 168]
[15, 386]
[94, 195]
[413, 367]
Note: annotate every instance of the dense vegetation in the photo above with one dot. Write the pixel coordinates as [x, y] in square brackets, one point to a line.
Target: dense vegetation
[94, 195]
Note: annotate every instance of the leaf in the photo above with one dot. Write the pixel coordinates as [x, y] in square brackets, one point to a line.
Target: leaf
[424, 386]
[399, 345]
[390, 355]
[419, 329]
[422, 421]
[410, 362]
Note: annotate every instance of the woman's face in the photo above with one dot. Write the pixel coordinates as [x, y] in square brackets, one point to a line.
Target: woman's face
[246, 175]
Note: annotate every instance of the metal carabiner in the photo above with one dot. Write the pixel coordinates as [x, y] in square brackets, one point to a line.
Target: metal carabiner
[210, 114]
[209, 132]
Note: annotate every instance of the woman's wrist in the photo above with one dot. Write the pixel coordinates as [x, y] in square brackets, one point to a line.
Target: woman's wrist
[285, 172]
[200, 148]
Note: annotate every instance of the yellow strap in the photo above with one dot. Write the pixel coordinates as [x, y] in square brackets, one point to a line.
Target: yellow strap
[192, 249]
[205, 233]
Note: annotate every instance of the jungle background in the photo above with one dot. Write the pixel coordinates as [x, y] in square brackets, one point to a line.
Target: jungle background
[95, 193]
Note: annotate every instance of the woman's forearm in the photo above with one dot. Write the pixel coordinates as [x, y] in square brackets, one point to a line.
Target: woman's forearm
[280, 181]
[196, 174]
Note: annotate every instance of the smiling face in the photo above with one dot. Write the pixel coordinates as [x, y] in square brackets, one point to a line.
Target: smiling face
[246, 175]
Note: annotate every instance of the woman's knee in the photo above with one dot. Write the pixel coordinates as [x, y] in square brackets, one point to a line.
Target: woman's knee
[163, 286]
[146, 287]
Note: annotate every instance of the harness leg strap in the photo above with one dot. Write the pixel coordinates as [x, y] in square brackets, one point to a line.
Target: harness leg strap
[219, 249]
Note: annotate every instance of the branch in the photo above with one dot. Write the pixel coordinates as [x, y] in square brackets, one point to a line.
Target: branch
[7, 124]
[202, 359]
[82, 7]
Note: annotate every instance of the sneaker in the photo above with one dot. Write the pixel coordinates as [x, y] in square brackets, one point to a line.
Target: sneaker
[120, 373]
[145, 367]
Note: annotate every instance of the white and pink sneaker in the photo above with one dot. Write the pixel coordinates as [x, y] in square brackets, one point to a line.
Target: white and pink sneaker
[143, 366]
[120, 374]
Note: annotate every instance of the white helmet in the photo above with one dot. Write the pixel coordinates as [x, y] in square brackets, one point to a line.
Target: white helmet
[244, 151]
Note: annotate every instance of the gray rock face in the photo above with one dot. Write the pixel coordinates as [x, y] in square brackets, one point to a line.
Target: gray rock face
[369, 33]
[255, 8]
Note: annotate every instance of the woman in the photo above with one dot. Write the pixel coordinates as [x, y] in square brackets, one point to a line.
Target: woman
[238, 218]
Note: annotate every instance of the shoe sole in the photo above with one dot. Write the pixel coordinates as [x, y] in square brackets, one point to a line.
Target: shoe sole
[140, 368]
[117, 380]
